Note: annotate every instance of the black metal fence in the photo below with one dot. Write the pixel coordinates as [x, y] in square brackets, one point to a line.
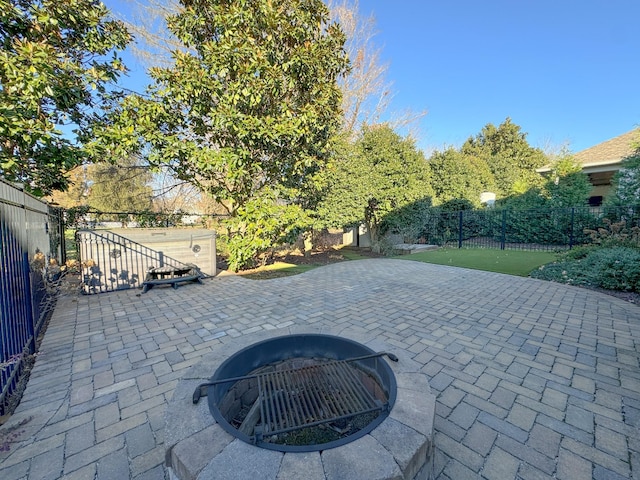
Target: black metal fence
[31, 238]
[548, 229]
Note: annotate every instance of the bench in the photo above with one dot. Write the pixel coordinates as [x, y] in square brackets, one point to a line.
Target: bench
[170, 276]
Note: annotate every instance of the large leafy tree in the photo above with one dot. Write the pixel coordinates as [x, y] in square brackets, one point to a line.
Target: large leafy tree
[246, 111]
[626, 183]
[567, 186]
[124, 187]
[457, 176]
[512, 161]
[371, 179]
[57, 61]
[366, 91]
[77, 190]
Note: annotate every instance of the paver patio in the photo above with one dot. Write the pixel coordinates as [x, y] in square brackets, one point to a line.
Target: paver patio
[534, 380]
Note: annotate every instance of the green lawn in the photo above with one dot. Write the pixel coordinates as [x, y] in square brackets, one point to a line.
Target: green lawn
[70, 244]
[512, 262]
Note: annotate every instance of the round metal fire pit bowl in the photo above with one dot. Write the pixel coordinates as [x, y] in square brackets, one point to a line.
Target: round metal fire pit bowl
[301, 359]
[399, 447]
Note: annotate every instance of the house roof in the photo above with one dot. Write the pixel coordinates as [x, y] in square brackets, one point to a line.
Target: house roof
[605, 156]
[609, 152]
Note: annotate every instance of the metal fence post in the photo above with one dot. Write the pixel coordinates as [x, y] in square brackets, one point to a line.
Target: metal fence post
[460, 229]
[503, 234]
[571, 238]
[28, 298]
[63, 240]
[213, 265]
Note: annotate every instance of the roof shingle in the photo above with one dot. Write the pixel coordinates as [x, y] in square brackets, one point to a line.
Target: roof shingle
[609, 151]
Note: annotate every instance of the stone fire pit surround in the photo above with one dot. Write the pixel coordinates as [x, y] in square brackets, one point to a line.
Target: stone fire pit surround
[401, 447]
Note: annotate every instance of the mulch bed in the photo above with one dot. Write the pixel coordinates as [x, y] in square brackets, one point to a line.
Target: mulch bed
[631, 297]
[317, 257]
[325, 257]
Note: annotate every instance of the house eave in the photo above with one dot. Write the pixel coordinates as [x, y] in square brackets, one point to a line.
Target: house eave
[594, 167]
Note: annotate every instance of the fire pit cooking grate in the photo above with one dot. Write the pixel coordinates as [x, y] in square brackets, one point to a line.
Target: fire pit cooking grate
[313, 395]
[296, 398]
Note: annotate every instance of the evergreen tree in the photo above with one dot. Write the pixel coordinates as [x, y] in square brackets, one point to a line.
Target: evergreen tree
[246, 112]
[54, 73]
[626, 183]
[512, 161]
[567, 185]
[120, 188]
[456, 176]
[370, 180]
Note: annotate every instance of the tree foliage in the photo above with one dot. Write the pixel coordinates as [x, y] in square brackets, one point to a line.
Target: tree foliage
[366, 91]
[77, 189]
[370, 180]
[54, 74]
[456, 176]
[263, 222]
[626, 181]
[512, 161]
[120, 188]
[567, 186]
[248, 108]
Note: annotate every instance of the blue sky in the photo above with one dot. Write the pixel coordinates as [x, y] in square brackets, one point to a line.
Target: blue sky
[566, 71]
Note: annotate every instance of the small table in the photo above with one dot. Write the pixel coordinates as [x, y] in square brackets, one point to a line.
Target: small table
[170, 276]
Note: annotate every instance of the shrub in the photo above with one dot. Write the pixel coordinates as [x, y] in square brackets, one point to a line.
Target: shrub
[615, 268]
[409, 220]
[614, 234]
[259, 226]
[618, 268]
[577, 253]
[555, 226]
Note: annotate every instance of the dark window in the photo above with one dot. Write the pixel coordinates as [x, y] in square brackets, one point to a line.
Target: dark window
[595, 201]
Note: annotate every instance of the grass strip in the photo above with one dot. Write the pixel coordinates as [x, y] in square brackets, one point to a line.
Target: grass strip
[512, 262]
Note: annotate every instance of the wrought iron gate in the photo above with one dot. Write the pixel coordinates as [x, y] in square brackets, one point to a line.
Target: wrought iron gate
[114, 262]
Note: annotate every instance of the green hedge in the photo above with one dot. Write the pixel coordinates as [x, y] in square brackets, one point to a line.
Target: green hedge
[558, 227]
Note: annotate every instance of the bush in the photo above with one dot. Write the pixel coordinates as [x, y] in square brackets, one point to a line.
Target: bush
[559, 226]
[615, 268]
[618, 268]
[614, 234]
[259, 226]
[577, 253]
[408, 221]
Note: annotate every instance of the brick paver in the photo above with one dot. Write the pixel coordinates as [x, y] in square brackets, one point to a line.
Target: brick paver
[534, 380]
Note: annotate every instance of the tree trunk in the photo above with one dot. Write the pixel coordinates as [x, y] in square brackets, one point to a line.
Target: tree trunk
[373, 233]
[307, 243]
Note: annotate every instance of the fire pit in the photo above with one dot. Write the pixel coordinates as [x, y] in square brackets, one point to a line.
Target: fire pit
[283, 392]
[312, 404]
